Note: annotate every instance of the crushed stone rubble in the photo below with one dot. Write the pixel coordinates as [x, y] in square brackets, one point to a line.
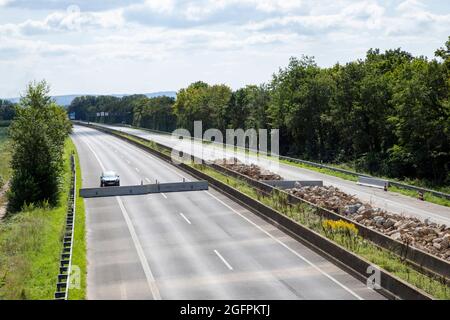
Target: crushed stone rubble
[251, 170]
[425, 235]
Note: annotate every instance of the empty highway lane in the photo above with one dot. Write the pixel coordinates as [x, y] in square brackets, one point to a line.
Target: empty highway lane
[190, 245]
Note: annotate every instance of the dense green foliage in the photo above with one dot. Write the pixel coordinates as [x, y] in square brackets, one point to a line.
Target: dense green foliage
[7, 111]
[38, 133]
[154, 113]
[388, 114]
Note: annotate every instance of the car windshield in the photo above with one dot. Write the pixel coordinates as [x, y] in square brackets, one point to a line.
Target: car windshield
[109, 174]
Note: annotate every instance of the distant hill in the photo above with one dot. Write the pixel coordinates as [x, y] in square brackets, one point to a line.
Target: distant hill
[66, 100]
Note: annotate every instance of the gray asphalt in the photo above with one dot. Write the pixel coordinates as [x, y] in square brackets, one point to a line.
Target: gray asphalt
[190, 245]
[389, 201]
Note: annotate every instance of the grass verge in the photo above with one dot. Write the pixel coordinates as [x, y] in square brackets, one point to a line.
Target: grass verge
[79, 242]
[30, 246]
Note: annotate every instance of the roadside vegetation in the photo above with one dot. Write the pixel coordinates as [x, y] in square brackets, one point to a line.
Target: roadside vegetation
[79, 245]
[39, 166]
[342, 233]
[31, 244]
[38, 133]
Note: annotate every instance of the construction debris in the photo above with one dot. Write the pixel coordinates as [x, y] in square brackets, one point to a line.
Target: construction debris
[253, 171]
[429, 237]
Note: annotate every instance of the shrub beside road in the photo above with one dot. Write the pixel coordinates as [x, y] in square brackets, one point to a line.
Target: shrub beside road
[30, 245]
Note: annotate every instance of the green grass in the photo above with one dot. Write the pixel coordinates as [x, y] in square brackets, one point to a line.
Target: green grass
[79, 243]
[427, 196]
[326, 171]
[30, 247]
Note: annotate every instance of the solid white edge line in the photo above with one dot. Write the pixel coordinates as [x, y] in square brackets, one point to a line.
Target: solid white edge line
[223, 260]
[147, 271]
[289, 248]
[184, 217]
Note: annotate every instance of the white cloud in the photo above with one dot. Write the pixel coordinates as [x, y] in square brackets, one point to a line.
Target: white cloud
[160, 6]
[61, 21]
[248, 39]
[4, 2]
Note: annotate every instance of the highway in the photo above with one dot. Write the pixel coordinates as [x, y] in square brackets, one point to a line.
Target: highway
[389, 201]
[190, 245]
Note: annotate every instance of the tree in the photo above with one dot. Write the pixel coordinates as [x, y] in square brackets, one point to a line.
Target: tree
[422, 122]
[6, 110]
[201, 102]
[38, 135]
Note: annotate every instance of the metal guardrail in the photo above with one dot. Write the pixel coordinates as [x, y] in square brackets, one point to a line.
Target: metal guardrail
[65, 264]
[323, 166]
[373, 182]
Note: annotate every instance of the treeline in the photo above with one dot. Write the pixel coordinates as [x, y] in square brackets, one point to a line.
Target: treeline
[38, 133]
[388, 114]
[155, 113]
[7, 111]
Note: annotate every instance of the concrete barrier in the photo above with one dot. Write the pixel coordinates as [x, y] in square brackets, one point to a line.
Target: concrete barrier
[143, 189]
[289, 184]
[373, 182]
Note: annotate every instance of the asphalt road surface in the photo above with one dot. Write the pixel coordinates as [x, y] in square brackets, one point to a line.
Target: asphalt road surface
[389, 201]
[190, 245]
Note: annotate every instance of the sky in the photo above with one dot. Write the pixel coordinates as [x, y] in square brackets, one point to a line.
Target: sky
[126, 46]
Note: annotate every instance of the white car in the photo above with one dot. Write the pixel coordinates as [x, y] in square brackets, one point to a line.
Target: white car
[109, 178]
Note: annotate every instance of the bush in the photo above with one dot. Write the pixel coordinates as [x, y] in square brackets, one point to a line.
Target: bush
[38, 133]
